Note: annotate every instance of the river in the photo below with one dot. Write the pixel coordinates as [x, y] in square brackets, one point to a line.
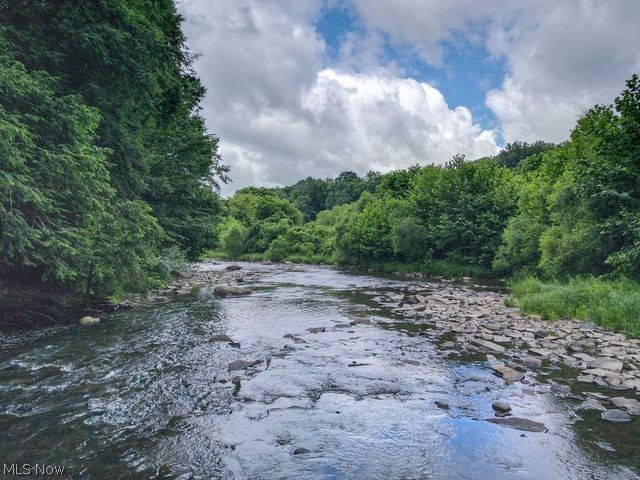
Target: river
[147, 394]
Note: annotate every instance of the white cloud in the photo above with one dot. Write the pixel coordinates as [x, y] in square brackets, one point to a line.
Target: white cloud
[282, 116]
[283, 112]
[562, 57]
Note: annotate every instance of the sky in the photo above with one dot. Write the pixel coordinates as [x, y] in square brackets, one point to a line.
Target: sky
[299, 88]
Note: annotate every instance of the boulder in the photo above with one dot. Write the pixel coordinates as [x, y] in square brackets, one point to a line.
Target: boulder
[300, 451]
[232, 268]
[87, 320]
[230, 291]
[500, 407]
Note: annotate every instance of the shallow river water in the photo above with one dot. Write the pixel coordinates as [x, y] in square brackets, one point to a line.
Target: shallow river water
[147, 394]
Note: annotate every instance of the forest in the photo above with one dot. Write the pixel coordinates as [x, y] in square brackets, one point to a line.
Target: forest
[109, 182]
[107, 173]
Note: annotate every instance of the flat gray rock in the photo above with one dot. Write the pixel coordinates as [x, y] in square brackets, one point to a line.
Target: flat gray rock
[494, 347]
[616, 416]
[242, 364]
[519, 424]
[222, 338]
[317, 329]
[607, 363]
[631, 405]
[591, 404]
[508, 374]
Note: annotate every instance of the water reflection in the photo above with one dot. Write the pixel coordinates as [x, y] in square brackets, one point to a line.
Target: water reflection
[147, 394]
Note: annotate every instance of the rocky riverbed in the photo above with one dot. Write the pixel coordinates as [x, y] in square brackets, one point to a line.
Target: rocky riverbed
[317, 373]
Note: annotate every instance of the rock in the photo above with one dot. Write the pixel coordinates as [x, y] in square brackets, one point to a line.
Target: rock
[607, 363]
[597, 395]
[508, 374]
[487, 345]
[442, 405]
[574, 347]
[236, 382]
[501, 407]
[242, 364]
[532, 362]
[360, 321]
[598, 372]
[231, 268]
[87, 320]
[631, 405]
[230, 291]
[591, 404]
[222, 338]
[616, 416]
[519, 424]
[560, 389]
[300, 451]
[501, 339]
[584, 357]
[356, 364]
[317, 329]
[633, 383]
[542, 352]
[411, 362]
[585, 378]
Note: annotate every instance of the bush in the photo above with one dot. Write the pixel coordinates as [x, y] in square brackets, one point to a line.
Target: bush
[233, 238]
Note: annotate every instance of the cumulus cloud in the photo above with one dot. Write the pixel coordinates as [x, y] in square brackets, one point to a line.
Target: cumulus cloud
[282, 115]
[562, 57]
[285, 111]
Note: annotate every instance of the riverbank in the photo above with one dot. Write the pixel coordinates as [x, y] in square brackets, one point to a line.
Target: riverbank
[434, 268]
[612, 304]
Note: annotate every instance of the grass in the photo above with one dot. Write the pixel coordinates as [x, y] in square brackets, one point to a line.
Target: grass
[260, 257]
[613, 304]
[436, 268]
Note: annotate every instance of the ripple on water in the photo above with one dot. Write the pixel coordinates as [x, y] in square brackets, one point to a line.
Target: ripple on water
[147, 394]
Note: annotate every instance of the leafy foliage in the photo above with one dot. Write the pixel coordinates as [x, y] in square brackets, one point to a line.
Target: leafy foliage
[104, 160]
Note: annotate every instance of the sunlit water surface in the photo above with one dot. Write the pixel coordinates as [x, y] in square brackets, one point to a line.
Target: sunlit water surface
[146, 394]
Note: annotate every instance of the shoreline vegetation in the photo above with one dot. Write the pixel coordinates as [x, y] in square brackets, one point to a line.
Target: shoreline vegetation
[108, 186]
[561, 222]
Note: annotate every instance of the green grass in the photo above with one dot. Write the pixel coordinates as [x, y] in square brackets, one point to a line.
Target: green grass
[613, 304]
[436, 268]
[260, 257]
